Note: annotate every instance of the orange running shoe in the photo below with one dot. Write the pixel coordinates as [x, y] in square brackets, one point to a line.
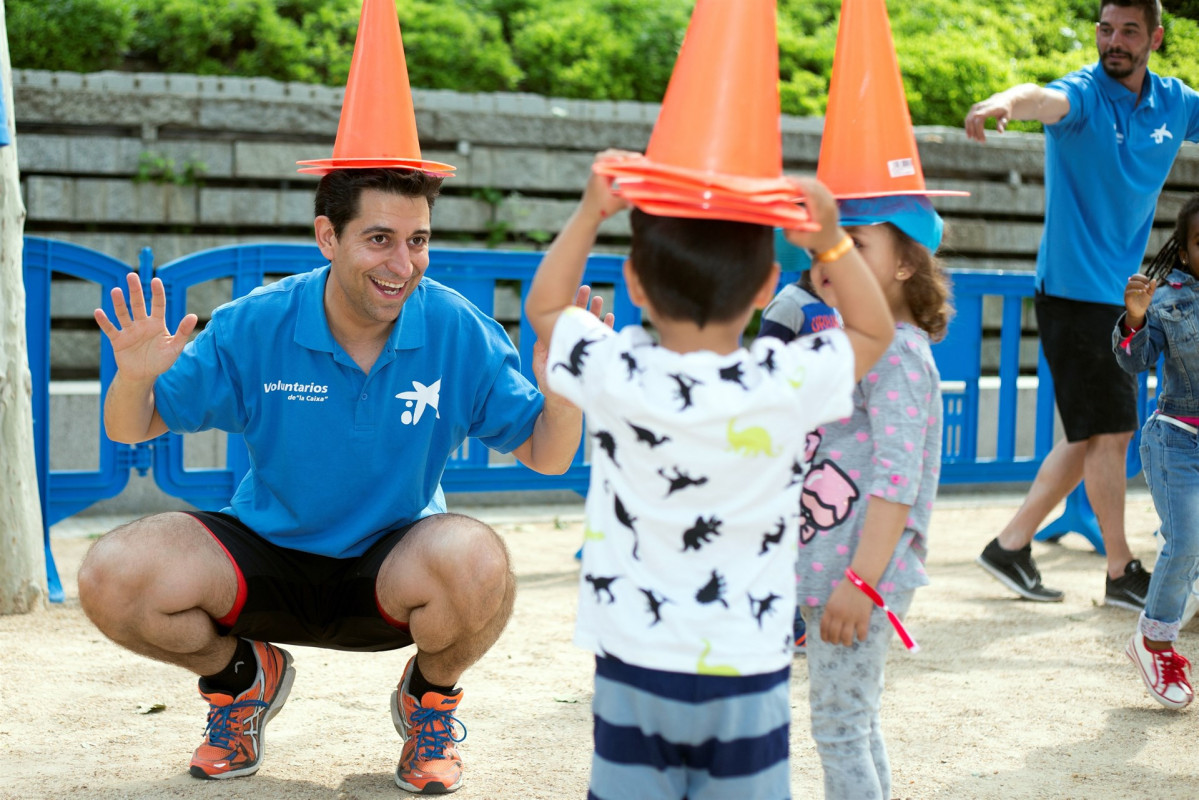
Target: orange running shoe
[235, 737]
[429, 762]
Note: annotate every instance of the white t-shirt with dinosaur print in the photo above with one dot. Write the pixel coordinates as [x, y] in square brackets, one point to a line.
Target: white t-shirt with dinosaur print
[692, 516]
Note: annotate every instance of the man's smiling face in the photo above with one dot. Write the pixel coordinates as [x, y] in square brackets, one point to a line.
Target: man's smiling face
[377, 261]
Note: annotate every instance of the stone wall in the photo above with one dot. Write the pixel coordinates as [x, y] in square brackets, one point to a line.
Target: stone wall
[111, 161]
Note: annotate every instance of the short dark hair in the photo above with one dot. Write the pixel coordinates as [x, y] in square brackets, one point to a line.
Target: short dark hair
[1169, 257]
[702, 270]
[338, 192]
[1150, 9]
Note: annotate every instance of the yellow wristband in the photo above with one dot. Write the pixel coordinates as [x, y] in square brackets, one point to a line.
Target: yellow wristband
[836, 251]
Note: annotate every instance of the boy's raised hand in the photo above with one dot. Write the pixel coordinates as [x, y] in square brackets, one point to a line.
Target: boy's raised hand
[822, 207]
[1138, 294]
[598, 195]
[142, 345]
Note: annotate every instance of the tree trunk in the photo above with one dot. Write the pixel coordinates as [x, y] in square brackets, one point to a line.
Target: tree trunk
[22, 554]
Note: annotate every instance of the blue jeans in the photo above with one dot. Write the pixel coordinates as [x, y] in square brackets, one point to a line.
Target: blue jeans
[1171, 459]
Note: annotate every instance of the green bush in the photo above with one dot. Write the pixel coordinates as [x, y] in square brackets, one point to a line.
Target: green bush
[445, 42]
[599, 49]
[952, 52]
[74, 35]
[239, 37]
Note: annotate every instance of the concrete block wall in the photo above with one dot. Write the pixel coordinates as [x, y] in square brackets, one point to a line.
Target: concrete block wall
[105, 160]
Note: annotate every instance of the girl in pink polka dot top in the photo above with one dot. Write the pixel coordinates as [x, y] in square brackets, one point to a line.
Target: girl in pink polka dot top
[868, 496]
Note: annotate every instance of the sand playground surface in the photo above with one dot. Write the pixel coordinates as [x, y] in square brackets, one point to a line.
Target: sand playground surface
[1006, 698]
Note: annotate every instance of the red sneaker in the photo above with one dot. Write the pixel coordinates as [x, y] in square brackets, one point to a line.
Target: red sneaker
[234, 739]
[1165, 672]
[429, 762]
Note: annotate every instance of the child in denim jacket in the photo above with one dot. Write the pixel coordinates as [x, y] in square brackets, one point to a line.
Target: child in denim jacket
[1161, 309]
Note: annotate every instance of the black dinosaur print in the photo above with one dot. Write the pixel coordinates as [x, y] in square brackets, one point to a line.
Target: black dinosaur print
[602, 584]
[760, 608]
[798, 470]
[701, 532]
[631, 363]
[681, 480]
[607, 444]
[818, 343]
[733, 374]
[713, 590]
[768, 362]
[577, 354]
[627, 519]
[648, 436]
[685, 384]
[773, 538]
[654, 604]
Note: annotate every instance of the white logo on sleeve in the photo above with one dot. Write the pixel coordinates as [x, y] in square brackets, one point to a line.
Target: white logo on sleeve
[1161, 134]
[421, 396]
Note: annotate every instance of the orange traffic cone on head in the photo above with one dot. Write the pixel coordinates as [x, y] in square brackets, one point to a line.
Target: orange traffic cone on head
[378, 123]
[716, 150]
[869, 148]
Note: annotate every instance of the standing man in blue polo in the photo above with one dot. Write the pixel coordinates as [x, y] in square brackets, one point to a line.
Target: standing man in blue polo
[1112, 131]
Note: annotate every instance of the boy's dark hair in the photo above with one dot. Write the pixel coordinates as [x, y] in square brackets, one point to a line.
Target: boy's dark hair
[1168, 258]
[927, 291]
[1150, 9]
[338, 192]
[701, 270]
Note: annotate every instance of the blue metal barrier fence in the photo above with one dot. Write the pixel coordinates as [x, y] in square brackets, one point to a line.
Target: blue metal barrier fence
[475, 274]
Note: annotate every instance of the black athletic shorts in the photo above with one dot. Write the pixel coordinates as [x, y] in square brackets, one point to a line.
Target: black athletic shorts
[1094, 395]
[290, 597]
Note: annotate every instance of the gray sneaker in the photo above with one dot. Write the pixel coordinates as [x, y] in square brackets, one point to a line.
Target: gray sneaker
[1130, 589]
[1016, 570]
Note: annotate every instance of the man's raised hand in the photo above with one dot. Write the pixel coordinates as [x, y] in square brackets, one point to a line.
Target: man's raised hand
[141, 343]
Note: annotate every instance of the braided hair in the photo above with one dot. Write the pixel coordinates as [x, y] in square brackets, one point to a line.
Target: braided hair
[1168, 258]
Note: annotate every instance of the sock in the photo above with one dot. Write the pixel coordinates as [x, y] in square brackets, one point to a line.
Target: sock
[418, 685]
[238, 675]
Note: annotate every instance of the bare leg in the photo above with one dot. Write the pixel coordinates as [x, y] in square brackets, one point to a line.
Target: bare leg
[449, 578]
[155, 586]
[1060, 472]
[1106, 482]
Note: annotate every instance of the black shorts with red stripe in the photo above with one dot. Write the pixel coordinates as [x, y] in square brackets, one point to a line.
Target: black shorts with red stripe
[290, 597]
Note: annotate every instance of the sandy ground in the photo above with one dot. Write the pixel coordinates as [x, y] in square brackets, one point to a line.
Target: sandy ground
[1006, 699]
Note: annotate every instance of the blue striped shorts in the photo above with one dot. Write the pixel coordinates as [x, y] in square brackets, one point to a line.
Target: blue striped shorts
[675, 735]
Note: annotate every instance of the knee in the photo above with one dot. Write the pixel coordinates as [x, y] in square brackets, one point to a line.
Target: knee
[108, 577]
[476, 563]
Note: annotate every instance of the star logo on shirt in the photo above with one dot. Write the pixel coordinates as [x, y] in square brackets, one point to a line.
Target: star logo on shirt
[1161, 134]
[422, 397]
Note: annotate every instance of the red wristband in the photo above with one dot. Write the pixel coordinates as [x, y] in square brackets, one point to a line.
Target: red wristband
[877, 599]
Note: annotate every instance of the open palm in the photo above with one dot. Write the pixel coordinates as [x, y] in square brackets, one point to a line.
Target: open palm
[141, 343]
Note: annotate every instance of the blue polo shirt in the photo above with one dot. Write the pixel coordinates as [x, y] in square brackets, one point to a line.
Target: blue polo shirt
[1105, 164]
[338, 457]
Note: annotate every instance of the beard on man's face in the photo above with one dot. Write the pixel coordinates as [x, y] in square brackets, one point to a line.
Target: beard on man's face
[1118, 67]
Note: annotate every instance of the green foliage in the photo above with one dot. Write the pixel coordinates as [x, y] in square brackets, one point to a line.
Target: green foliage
[153, 167]
[442, 41]
[74, 35]
[599, 49]
[239, 37]
[952, 52]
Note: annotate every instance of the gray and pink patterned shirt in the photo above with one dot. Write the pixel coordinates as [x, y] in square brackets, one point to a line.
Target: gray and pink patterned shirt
[889, 447]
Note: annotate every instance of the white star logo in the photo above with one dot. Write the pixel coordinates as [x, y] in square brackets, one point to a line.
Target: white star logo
[1161, 133]
[422, 396]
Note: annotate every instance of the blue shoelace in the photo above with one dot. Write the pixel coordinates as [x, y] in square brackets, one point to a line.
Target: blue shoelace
[219, 730]
[434, 732]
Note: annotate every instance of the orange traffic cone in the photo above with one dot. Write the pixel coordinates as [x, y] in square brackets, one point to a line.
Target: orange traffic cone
[378, 124]
[716, 150]
[869, 148]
